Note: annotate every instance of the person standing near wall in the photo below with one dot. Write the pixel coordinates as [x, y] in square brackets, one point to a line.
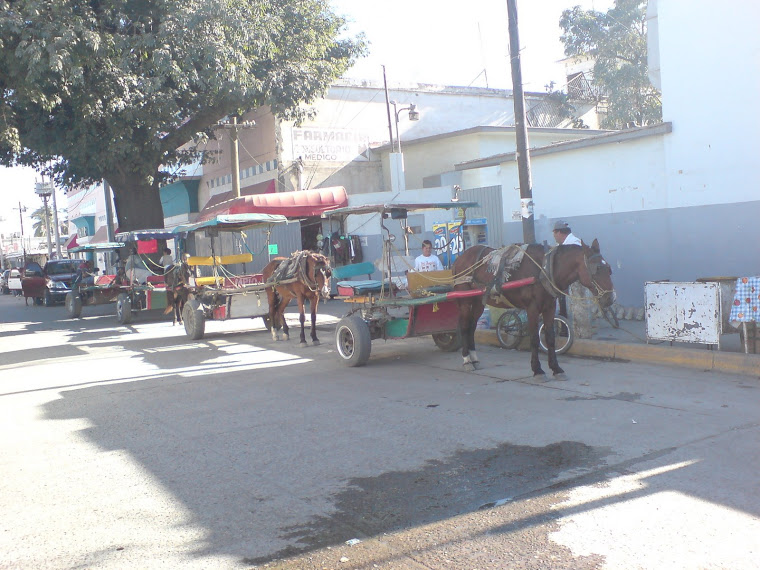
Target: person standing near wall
[564, 235]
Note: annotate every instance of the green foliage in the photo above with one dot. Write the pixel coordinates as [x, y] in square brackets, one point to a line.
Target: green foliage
[617, 43]
[113, 89]
[40, 227]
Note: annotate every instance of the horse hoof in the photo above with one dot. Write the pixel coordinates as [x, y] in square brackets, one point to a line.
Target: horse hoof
[303, 344]
[468, 367]
[285, 337]
[560, 376]
[476, 364]
[315, 342]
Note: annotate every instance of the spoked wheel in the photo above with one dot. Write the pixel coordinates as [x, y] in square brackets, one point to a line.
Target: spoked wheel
[448, 342]
[509, 329]
[563, 335]
[73, 305]
[353, 341]
[609, 315]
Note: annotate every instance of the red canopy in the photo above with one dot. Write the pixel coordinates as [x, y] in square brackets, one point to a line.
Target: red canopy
[289, 204]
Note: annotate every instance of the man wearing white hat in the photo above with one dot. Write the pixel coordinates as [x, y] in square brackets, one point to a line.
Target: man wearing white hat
[564, 235]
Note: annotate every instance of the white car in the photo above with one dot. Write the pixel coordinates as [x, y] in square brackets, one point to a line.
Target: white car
[14, 282]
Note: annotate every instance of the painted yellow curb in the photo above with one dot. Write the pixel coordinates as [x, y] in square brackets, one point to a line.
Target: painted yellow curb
[702, 359]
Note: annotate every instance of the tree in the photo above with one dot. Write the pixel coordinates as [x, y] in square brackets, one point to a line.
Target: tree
[113, 90]
[40, 227]
[617, 43]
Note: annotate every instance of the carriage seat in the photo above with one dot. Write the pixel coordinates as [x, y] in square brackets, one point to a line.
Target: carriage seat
[220, 259]
[105, 280]
[156, 281]
[349, 287]
[423, 284]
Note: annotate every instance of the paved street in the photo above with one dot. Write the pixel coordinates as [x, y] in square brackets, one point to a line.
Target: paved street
[133, 447]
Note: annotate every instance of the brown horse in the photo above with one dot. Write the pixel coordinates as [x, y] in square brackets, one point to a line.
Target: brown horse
[303, 276]
[177, 279]
[552, 273]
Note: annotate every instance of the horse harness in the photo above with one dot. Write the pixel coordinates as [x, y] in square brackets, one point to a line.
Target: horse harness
[293, 269]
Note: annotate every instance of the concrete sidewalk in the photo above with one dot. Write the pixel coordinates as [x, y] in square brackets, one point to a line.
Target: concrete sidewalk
[629, 343]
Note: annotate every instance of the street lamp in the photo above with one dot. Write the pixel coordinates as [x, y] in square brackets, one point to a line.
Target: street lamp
[44, 190]
[414, 115]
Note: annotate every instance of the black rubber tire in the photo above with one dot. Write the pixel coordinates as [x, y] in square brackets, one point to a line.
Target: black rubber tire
[73, 305]
[47, 300]
[509, 329]
[194, 319]
[353, 341]
[124, 309]
[448, 342]
[563, 335]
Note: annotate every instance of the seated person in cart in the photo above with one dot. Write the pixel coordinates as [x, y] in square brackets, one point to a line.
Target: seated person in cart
[427, 261]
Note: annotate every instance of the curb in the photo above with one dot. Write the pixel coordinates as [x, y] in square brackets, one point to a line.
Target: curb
[728, 362]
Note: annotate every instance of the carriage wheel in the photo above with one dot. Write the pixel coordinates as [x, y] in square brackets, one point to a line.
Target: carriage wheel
[124, 309]
[448, 342]
[194, 319]
[563, 335]
[73, 305]
[509, 330]
[353, 341]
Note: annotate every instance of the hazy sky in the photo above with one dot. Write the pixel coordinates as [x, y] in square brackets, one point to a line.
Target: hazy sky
[419, 41]
[429, 41]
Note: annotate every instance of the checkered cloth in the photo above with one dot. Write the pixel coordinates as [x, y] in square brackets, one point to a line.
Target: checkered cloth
[746, 305]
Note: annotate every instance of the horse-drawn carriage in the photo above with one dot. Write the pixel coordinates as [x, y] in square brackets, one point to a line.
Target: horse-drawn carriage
[402, 305]
[134, 278]
[89, 288]
[223, 294]
[525, 276]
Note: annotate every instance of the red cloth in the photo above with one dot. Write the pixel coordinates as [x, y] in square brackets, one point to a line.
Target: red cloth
[147, 246]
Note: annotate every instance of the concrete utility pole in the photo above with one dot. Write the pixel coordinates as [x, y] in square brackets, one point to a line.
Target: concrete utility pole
[521, 128]
[233, 129]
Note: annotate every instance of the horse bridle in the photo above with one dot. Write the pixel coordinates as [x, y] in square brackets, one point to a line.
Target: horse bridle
[593, 268]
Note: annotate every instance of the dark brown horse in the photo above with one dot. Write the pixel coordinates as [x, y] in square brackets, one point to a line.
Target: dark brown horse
[552, 273]
[303, 276]
[177, 278]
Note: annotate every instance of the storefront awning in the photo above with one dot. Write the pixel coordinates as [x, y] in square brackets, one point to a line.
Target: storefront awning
[304, 204]
[71, 242]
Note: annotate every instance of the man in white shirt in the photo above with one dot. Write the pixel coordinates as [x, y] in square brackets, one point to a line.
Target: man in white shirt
[564, 235]
[427, 261]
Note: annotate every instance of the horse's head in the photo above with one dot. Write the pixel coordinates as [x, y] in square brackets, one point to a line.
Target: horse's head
[597, 275]
[178, 275]
[321, 273]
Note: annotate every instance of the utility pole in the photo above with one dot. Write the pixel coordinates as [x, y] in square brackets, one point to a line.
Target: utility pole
[57, 232]
[388, 108]
[233, 127]
[44, 190]
[521, 129]
[21, 209]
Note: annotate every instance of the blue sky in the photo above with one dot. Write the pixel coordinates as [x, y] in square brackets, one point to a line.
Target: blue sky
[419, 41]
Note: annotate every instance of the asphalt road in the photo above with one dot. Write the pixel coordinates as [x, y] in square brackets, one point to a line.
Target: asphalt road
[132, 447]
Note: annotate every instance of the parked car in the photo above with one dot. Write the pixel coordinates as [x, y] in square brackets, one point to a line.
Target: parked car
[48, 285]
[13, 282]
